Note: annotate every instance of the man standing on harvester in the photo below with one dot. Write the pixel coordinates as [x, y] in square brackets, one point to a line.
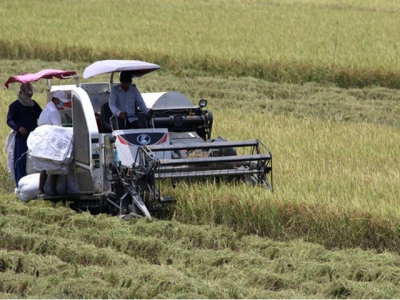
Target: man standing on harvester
[123, 101]
[51, 116]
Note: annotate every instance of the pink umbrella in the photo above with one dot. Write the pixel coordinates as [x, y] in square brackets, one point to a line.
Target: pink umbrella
[46, 74]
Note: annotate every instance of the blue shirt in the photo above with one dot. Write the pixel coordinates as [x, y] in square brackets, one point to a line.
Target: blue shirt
[23, 116]
[121, 101]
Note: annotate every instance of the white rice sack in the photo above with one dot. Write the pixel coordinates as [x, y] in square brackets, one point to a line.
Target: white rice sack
[9, 149]
[51, 167]
[28, 187]
[51, 142]
[29, 166]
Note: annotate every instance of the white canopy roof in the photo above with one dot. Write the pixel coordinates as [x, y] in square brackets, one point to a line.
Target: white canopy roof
[137, 67]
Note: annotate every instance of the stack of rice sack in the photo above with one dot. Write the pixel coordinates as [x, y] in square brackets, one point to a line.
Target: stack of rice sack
[50, 148]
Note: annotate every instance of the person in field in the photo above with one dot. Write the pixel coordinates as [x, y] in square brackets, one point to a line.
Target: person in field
[124, 99]
[22, 117]
[51, 116]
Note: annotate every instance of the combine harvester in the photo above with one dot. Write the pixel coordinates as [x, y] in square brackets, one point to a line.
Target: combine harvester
[121, 170]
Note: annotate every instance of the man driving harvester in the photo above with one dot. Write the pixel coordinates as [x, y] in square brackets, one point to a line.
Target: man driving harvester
[123, 101]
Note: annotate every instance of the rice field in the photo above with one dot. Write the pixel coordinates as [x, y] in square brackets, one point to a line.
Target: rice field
[315, 81]
[351, 43]
[327, 172]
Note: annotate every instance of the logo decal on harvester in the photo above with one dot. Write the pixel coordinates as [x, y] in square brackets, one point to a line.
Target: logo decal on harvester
[143, 139]
[135, 139]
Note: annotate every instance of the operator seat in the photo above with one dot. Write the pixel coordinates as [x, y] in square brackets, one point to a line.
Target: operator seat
[105, 116]
[110, 122]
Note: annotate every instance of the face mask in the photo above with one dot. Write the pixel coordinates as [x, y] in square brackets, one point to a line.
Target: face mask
[60, 105]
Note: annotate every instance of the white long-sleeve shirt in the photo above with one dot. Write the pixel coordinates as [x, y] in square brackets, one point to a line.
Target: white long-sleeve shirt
[50, 115]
